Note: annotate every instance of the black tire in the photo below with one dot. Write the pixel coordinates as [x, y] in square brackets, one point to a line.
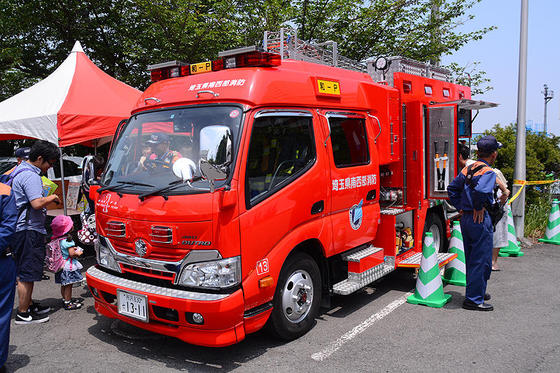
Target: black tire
[434, 224]
[290, 319]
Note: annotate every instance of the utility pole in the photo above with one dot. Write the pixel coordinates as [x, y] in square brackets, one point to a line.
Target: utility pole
[548, 95]
[520, 172]
[435, 32]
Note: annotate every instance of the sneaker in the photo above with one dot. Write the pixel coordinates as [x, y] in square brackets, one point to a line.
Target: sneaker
[23, 318]
[74, 300]
[70, 305]
[477, 307]
[38, 309]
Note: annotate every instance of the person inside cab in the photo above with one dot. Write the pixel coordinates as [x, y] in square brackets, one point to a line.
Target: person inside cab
[161, 155]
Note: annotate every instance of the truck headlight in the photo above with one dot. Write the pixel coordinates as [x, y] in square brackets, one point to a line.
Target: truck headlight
[105, 257]
[215, 274]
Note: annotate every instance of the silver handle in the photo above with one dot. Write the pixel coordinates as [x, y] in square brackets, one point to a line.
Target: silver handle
[211, 92]
[379, 123]
[151, 98]
[328, 125]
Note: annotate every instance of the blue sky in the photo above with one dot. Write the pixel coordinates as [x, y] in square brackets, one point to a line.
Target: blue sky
[498, 54]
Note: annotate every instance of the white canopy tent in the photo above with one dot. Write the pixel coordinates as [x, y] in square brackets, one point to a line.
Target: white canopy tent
[77, 103]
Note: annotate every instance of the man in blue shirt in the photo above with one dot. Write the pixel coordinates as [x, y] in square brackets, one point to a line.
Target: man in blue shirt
[8, 217]
[470, 196]
[29, 239]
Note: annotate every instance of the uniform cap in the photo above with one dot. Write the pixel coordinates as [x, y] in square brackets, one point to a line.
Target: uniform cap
[158, 138]
[488, 143]
[23, 153]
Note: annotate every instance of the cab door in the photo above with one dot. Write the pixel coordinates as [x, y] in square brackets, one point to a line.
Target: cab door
[284, 182]
[354, 174]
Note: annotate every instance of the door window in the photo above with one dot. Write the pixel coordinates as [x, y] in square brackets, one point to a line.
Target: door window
[281, 149]
[349, 141]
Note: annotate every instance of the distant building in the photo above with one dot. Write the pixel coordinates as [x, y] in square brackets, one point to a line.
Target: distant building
[534, 127]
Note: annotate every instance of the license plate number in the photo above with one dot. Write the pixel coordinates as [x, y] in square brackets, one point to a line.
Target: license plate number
[201, 67]
[132, 305]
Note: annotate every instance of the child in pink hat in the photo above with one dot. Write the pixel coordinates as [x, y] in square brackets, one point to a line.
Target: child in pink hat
[62, 226]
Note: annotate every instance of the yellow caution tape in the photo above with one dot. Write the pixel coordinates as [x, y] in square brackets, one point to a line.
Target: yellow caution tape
[536, 182]
[516, 194]
[525, 182]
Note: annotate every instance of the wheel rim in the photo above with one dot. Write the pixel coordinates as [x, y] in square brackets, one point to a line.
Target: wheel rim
[434, 230]
[297, 296]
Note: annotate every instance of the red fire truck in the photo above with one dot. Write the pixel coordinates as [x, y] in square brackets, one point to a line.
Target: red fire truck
[248, 190]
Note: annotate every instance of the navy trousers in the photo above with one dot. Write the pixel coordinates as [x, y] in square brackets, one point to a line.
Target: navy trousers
[7, 293]
[478, 242]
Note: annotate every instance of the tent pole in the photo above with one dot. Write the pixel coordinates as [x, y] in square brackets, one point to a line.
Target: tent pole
[62, 182]
[95, 148]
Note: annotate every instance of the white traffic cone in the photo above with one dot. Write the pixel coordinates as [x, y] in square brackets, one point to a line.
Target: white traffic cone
[429, 287]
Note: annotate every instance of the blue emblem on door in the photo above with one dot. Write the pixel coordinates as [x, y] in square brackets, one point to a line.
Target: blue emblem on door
[356, 215]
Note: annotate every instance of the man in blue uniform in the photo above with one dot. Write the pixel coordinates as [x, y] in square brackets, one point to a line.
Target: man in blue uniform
[8, 219]
[469, 192]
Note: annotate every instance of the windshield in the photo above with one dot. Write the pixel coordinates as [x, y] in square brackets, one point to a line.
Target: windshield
[151, 144]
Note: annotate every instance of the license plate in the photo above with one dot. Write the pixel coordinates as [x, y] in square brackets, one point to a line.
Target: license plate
[201, 67]
[132, 305]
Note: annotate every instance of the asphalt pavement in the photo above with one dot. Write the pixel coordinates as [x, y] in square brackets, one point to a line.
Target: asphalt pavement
[373, 330]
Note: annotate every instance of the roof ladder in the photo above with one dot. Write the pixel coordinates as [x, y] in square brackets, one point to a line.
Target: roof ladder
[286, 43]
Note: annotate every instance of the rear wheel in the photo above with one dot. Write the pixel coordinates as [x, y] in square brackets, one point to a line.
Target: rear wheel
[297, 297]
[434, 224]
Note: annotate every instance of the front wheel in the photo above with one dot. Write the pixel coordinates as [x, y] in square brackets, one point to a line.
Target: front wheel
[297, 297]
[434, 224]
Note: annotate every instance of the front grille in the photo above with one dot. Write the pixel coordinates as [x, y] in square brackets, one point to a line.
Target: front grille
[125, 248]
[107, 297]
[165, 313]
[161, 234]
[168, 254]
[116, 229]
[170, 276]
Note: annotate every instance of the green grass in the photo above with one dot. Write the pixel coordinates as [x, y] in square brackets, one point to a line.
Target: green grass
[536, 216]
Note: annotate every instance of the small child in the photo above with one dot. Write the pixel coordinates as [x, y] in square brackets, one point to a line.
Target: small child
[62, 226]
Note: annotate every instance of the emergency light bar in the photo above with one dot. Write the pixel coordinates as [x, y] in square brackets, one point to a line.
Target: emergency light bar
[166, 70]
[235, 58]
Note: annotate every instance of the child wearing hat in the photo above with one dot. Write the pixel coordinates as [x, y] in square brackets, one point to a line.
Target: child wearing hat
[62, 226]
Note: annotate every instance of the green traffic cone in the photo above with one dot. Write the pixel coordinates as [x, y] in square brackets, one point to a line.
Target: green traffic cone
[429, 288]
[512, 249]
[456, 271]
[552, 234]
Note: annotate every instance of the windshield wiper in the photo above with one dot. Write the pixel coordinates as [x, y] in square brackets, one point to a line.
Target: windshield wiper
[122, 183]
[167, 188]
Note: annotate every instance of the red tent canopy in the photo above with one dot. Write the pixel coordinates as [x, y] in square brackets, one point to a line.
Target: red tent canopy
[77, 103]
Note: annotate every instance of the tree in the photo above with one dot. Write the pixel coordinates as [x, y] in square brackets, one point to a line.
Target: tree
[121, 36]
[124, 36]
[471, 76]
[543, 156]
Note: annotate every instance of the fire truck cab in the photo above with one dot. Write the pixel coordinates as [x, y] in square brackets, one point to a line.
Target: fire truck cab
[248, 190]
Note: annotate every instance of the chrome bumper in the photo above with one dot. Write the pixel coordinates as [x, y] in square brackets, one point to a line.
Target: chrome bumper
[119, 282]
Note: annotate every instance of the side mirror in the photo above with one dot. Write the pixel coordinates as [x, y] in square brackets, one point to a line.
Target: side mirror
[88, 172]
[215, 145]
[215, 153]
[211, 173]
